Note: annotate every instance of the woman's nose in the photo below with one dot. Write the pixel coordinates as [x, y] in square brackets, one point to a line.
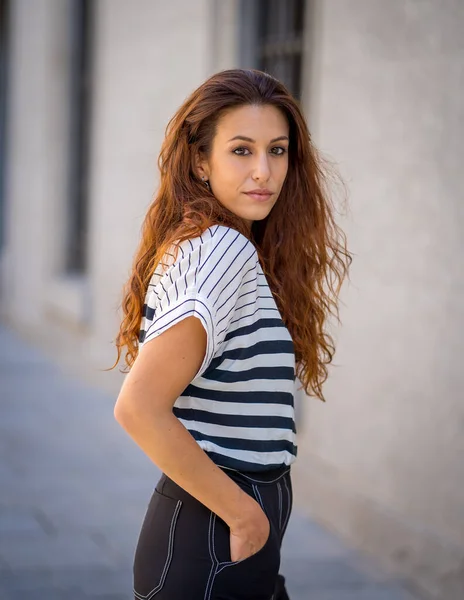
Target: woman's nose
[261, 171]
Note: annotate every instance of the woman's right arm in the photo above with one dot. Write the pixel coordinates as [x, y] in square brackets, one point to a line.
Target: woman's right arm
[163, 369]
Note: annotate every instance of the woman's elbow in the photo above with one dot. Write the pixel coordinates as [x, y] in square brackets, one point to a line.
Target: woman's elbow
[125, 412]
[132, 413]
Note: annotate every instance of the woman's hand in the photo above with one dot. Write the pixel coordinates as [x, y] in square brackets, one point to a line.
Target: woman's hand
[251, 535]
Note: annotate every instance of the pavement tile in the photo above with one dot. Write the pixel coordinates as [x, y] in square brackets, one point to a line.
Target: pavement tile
[324, 574]
[365, 593]
[71, 582]
[19, 522]
[52, 552]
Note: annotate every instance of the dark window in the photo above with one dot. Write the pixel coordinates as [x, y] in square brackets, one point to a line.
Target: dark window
[279, 26]
[80, 82]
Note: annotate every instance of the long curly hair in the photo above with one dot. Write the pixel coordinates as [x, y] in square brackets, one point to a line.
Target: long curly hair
[301, 249]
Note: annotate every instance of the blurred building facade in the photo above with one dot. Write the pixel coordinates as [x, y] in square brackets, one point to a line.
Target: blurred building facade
[87, 90]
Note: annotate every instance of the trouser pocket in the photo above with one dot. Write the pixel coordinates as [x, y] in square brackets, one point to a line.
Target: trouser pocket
[253, 577]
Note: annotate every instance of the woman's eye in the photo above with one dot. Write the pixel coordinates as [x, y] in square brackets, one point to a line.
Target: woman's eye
[279, 150]
[240, 151]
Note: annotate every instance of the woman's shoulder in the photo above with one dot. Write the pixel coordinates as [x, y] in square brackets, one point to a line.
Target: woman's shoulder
[217, 249]
[215, 241]
[217, 235]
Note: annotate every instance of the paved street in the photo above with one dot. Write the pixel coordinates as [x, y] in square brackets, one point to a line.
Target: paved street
[74, 488]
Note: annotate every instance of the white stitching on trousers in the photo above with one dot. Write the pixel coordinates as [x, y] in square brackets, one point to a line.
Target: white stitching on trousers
[213, 529]
[258, 480]
[167, 564]
[212, 573]
[219, 565]
[287, 517]
[258, 497]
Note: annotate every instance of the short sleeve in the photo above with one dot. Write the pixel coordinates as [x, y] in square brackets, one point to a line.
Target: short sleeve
[205, 281]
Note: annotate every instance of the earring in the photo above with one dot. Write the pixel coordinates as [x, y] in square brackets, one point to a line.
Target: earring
[206, 182]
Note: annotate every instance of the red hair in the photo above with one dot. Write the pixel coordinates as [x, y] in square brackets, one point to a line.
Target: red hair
[301, 249]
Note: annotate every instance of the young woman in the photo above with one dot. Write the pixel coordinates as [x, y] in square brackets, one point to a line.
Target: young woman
[224, 308]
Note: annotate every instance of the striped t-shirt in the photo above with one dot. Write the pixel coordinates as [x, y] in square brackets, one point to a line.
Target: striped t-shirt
[240, 405]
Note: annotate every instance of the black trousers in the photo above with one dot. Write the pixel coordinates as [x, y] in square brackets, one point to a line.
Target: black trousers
[183, 551]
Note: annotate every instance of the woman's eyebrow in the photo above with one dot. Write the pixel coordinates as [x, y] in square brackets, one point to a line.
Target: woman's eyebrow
[247, 139]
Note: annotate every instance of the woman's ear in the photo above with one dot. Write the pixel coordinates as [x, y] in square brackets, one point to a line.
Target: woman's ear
[201, 167]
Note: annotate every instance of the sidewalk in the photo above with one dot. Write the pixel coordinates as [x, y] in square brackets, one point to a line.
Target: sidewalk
[74, 489]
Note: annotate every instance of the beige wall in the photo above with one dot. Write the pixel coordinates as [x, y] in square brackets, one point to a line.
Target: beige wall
[388, 83]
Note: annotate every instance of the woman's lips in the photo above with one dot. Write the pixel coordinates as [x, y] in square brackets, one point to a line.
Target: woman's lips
[260, 197]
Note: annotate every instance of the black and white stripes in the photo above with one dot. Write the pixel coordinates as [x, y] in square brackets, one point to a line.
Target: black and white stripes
[239, 407]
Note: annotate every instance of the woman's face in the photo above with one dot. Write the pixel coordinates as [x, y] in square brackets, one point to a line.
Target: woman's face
[248, 162]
